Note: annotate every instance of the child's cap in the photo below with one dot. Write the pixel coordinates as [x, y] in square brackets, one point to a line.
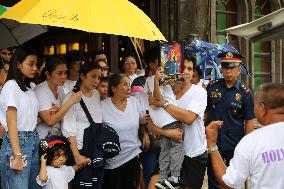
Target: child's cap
[51, 144]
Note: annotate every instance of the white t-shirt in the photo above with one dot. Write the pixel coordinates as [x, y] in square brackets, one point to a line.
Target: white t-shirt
[58, 178]
[195, 100]
[259, 155]
[75, 120]
[68, 86]
[142, 99]
[26, 104]
[126, 125]
[202, 82]
[46, 100]
[159, 116]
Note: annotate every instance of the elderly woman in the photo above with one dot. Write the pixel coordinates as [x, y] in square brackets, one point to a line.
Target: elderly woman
[123, 113]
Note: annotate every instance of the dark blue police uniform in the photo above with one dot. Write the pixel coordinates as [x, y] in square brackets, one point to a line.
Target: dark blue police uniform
[232, 106]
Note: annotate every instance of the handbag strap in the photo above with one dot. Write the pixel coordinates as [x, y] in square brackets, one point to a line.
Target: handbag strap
[86, 111]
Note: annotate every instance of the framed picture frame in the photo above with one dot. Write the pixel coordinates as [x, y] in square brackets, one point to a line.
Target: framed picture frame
[171, 59]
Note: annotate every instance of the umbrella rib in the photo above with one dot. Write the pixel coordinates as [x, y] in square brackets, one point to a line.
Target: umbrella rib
[10, 32]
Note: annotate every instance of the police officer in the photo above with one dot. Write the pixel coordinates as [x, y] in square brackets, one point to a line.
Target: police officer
[230, 101]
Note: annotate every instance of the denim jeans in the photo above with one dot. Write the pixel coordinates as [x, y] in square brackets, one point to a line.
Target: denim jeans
[26, 179]
[149, 160]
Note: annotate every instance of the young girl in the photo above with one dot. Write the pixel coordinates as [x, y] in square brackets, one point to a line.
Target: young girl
[50, 95]
[18, 115]
[54, 174]
[75, 120]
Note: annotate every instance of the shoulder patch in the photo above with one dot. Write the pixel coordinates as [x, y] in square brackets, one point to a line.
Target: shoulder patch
[213, 82]
[245, 88]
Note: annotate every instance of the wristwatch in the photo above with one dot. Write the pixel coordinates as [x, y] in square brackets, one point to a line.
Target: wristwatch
[166, 104]
[212, 149]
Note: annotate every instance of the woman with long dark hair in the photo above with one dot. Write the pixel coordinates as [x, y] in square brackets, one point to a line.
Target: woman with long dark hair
[75, 120]
[50, 95]
[18, 114]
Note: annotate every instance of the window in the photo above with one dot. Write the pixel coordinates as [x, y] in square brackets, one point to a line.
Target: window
[262, 50]
[226, 15]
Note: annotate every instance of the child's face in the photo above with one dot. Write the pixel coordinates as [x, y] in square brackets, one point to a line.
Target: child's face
[103, 89]
[59, 158]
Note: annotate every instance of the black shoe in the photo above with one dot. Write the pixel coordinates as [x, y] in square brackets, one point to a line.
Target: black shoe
[172, 185]
[161, 184]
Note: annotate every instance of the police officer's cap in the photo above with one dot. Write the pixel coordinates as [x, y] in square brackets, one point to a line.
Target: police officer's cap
[230, 59]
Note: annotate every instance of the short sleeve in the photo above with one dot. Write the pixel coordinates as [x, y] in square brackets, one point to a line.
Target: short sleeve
[45, 101]
[139, 107]
[69, 120]
[10, 94]
[249, 110]
[198, 103]
[39, 182]
[238, 171]
[70, 173]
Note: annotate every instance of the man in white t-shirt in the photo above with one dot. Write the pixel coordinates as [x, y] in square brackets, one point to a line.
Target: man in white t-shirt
[171, 154]
[259, 154]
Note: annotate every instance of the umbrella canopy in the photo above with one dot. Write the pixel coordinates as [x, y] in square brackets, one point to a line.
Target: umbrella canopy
[208, 60]
[2, 9]
[119, 17]
[266, 28]
[13, 33]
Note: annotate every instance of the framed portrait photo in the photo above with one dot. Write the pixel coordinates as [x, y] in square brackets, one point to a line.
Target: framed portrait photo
[171, 58]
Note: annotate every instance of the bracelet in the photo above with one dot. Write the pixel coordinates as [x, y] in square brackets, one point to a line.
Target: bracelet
[212, 149]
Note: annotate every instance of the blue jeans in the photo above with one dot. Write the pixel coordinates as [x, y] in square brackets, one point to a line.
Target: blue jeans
[29, 144]
[149, 160]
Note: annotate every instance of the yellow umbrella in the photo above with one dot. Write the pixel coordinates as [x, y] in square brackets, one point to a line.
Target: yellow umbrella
[119, 17]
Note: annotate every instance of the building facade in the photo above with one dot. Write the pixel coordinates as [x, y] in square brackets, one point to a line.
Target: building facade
[180, 20]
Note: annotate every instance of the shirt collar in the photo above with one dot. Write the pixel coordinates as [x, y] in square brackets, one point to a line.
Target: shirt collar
[236, 85]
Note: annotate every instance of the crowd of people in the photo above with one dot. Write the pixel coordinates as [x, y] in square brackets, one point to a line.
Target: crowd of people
[168, 134]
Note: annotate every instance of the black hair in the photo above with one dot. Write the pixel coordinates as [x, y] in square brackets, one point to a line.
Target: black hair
[97, 52]
[14, 72]
[126, 55]
[198, 70]
[151, 55]
[50, 65]
[104, 79]
[1, 63]
[84, 70]
[114, 81]
[74, 56]
[190, 57]
[139, 81]
[51, 154]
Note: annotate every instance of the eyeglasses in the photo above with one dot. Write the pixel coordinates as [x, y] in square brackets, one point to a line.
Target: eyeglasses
[104, 68]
